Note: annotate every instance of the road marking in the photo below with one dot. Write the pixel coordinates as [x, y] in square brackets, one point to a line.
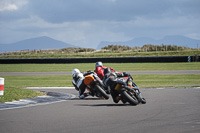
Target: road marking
[160, 88]
[192, 122]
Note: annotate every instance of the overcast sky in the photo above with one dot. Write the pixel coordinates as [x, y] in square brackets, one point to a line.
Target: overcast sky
[87, 22]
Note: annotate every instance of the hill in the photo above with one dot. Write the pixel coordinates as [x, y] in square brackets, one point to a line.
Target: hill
[173, 40]
[35, 43]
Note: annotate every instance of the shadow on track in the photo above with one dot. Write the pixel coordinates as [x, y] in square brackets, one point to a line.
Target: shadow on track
[89, 99]
[100, 105]
[104, 105]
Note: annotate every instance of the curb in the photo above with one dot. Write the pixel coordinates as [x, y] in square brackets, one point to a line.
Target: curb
[51, 97]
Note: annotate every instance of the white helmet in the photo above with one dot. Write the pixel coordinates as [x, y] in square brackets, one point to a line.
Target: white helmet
[99, 64]
[75, 71]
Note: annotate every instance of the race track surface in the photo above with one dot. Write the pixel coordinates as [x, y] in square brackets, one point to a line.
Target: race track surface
[168, 110]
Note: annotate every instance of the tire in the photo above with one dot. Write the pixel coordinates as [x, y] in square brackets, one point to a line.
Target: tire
[101, 91]
[129, 98]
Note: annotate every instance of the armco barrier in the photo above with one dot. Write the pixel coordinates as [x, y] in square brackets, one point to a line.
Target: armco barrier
[103, 59]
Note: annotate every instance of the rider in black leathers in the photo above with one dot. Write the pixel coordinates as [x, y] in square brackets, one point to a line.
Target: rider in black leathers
[109, 81]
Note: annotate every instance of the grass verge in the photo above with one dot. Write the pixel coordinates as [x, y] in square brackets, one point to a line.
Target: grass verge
[91, 66]
[15, 93]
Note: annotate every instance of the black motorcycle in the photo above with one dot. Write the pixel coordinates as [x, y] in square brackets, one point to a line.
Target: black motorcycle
[128, 91]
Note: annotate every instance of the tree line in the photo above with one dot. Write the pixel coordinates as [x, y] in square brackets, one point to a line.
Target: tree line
[50, 51]
[146, 47]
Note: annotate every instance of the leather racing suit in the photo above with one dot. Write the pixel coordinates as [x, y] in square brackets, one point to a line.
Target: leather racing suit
[78, 82]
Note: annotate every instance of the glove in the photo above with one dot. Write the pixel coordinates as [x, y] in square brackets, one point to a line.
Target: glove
[89, 71]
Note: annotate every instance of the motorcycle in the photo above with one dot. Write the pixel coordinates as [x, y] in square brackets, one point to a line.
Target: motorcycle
[128, 91]
[95, 85]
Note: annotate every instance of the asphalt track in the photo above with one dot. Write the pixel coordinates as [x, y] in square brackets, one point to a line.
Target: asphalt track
[168, 110]
[131, 72]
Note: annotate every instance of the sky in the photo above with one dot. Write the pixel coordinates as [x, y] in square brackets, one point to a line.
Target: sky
[86, 23]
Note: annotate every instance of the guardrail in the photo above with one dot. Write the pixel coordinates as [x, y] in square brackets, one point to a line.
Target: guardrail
[152, 59]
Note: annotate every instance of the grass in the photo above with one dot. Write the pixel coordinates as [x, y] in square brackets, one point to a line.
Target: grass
[146, 80]
[14, 84]
[91, 66]
[35, 81]
[15, 93]
[190, 80]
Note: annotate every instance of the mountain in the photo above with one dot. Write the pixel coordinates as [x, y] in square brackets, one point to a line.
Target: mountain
[172, 40]
[35, 43]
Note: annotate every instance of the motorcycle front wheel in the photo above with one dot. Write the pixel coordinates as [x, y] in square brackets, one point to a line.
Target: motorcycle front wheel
[129, 97]
[101, 91]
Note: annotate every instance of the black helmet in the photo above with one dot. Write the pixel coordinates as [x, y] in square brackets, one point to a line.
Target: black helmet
[107, 70]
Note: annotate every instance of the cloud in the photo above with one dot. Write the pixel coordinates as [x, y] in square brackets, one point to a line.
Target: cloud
[9, 7]
[87, 22]
[82, 33]
[55, 11]
[111, 10]
[89, 10]
[13, 10]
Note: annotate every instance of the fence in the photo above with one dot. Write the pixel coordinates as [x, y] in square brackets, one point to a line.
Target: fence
[104, 59]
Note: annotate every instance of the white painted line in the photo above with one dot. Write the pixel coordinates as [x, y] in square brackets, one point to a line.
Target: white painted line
[53, 88]
[193, 122]
[160, 88]
[24, 103]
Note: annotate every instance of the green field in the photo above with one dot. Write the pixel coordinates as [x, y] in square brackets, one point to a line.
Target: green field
[91, 66]
[14, 84]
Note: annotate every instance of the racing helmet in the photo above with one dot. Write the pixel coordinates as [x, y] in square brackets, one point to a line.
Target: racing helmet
[98, 64]
[75, 71]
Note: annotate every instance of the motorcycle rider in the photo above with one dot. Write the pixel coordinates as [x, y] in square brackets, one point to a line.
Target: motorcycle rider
[99, 69]
[78, 82]
[109, 81]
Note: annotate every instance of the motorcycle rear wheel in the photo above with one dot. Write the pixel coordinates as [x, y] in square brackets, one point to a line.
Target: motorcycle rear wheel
[129, 98]
[101, 91]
